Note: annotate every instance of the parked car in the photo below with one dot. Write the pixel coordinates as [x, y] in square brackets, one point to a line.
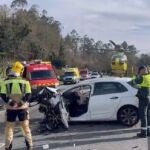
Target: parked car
[103, 99]
[95, 75]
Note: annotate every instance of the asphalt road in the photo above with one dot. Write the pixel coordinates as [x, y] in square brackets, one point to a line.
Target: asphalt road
[80, 136]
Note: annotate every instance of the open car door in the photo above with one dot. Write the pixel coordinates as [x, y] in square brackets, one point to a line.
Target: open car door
[77, 100]
[63, 113]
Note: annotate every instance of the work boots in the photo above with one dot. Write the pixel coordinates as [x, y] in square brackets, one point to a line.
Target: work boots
[140, 135]
[143, 134]
[29, 147]
[148, 132]
[9, 148]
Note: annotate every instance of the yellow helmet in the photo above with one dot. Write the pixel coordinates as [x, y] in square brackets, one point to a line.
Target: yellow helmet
[17, 69]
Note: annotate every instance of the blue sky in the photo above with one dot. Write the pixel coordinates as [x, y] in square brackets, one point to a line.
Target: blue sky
[117, 20]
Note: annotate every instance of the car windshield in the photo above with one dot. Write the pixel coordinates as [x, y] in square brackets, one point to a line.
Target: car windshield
[95, 73]
[42, 74]
[84, 72]
[69, 74]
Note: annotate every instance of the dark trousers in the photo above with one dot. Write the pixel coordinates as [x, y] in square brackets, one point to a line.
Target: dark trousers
[144, 112]
[21, 114]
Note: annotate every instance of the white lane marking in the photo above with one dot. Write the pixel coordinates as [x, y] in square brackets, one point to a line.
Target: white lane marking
[46, 146]
[2, 144]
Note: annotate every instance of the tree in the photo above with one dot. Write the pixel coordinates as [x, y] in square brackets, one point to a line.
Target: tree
[75, 39]
[19, 3]
[144, 60]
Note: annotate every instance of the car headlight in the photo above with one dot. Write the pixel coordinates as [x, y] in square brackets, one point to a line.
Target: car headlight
[56, 84]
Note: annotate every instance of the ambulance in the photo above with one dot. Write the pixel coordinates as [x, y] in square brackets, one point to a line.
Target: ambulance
[71, 75]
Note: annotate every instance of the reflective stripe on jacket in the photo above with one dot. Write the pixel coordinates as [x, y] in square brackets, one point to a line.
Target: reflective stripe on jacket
[15, 89]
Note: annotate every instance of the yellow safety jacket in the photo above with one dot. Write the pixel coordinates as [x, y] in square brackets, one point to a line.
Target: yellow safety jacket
[16, 89]
[146, 81]
[144, 90]
[134, 78]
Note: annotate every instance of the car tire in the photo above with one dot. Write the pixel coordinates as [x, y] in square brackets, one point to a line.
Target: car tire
[51, 123]
[74, 82]
[128, 115]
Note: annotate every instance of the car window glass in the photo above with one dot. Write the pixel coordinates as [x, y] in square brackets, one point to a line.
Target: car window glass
[84, 90]
[108, 88]
[75, 89]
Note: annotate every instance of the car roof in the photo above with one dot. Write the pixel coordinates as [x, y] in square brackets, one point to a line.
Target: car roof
[105, 79]
[94, 73]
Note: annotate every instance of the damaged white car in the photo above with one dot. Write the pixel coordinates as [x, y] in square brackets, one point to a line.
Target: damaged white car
[103, 100]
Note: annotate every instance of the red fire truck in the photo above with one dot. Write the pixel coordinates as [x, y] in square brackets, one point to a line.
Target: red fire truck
[40, 74]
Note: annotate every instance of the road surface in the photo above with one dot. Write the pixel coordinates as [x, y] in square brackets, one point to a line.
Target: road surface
[80, 136]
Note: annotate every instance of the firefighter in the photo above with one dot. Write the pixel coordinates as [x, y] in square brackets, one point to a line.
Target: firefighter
[143, 80]
[16, 92]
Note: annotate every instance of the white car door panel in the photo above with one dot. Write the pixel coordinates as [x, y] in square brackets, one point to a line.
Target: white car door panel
[84, 117]
[103, 106]
[105, 99]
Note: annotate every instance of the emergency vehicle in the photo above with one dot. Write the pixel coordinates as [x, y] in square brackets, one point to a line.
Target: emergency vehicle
[40, 74]
[119, 64]
[84, 73]
[72, 75]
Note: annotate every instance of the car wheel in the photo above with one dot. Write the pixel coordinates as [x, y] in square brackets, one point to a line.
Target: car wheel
[128, 115]
[74, 82]
[51, 122]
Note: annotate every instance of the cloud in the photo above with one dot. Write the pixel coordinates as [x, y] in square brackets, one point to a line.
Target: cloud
[7, 2]
[114, 19]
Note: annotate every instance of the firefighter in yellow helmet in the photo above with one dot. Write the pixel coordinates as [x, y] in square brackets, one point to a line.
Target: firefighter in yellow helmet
[16, 92]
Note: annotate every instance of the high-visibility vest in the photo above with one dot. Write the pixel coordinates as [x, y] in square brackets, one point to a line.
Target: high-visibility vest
[146, 81]
[15, 88]
[133, 81]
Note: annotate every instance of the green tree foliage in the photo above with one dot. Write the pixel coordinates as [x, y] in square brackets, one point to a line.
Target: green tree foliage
[144, 60]
[19, 3]
[31, 34]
